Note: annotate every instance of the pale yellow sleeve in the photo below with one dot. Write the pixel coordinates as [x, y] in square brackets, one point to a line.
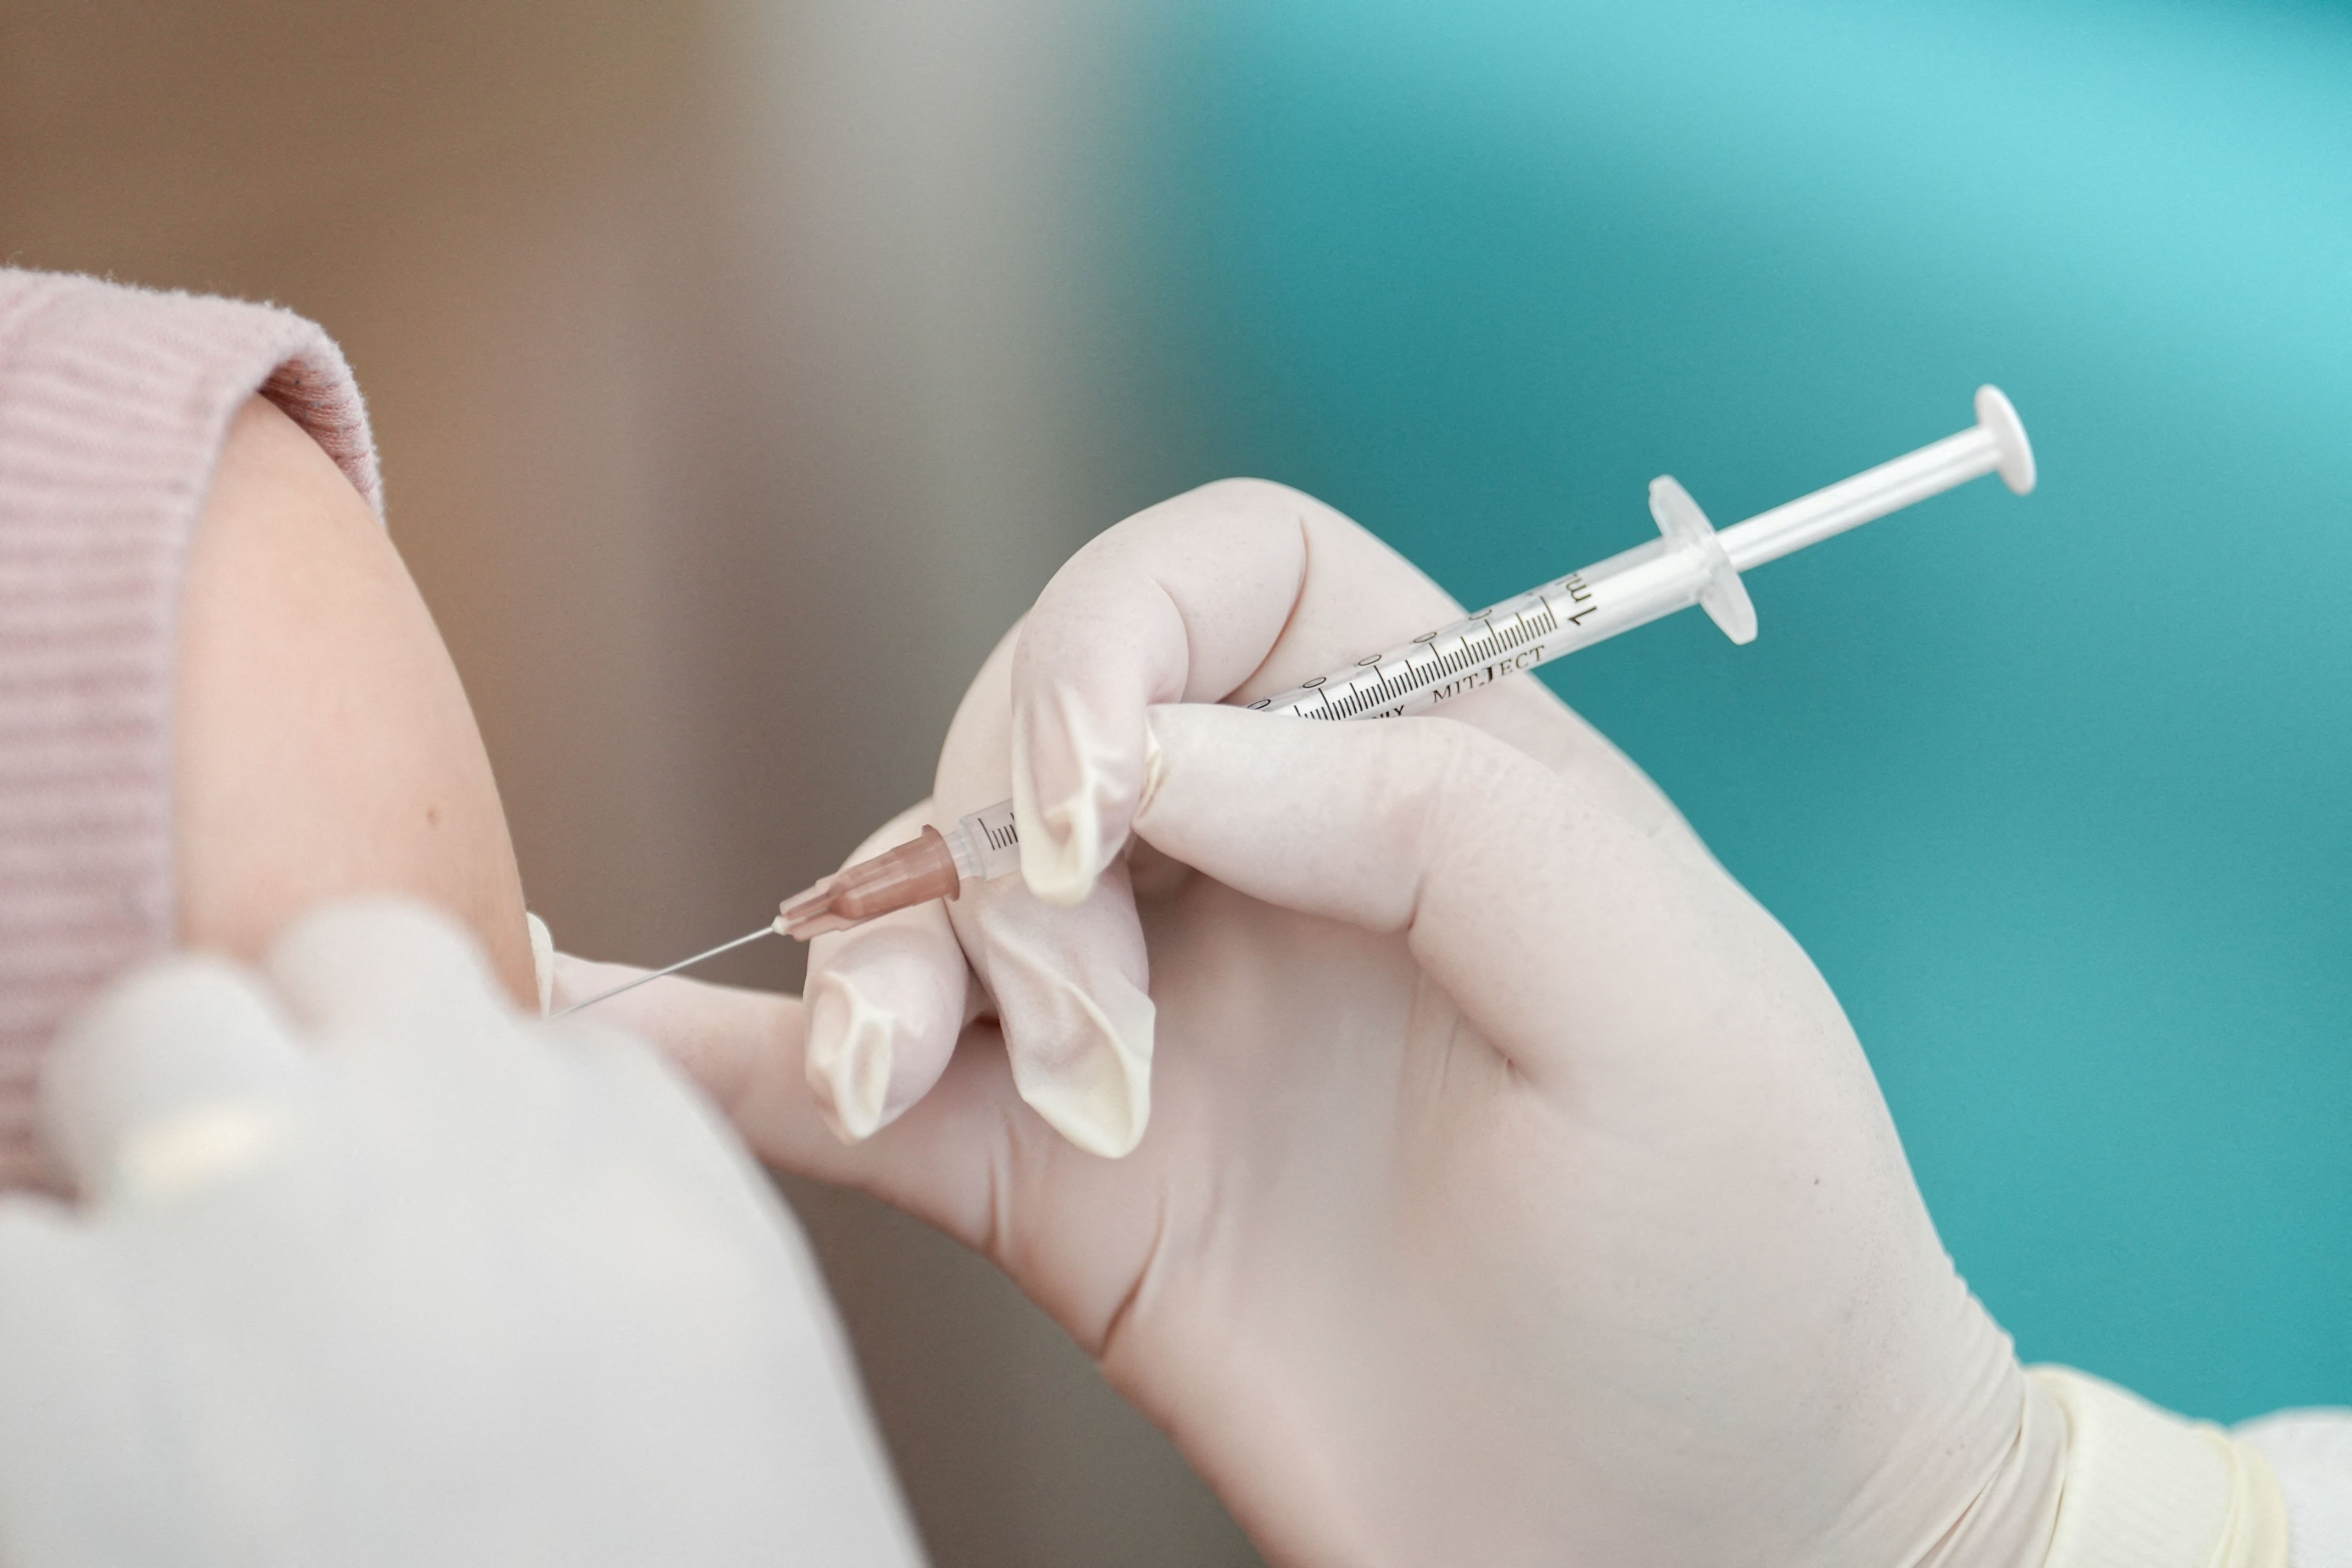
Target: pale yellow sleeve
[2147, 1489]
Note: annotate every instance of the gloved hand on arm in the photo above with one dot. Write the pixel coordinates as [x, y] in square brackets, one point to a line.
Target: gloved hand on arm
[1514, 1188]
[366, 1271]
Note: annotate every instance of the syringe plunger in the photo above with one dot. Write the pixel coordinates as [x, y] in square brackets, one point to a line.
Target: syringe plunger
[1996, 444]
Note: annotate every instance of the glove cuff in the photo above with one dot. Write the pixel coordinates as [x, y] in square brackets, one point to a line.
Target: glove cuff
[2147, 1489]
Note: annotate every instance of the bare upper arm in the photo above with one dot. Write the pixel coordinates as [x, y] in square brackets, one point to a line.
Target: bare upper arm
[323, 745]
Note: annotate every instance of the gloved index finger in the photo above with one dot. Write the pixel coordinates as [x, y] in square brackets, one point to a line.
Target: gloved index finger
[1235, 585]
[885, 1003]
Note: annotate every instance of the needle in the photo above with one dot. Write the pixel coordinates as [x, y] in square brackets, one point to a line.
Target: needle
[674, 969]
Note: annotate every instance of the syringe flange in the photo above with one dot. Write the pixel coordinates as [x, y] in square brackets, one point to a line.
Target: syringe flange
[1722, 595]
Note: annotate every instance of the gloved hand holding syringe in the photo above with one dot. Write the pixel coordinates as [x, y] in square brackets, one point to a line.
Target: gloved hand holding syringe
[1690, 564]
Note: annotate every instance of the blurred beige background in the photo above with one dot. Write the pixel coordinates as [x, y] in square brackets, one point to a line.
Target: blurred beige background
[700, 340]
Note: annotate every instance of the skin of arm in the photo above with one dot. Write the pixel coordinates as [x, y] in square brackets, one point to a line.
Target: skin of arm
[323, 746]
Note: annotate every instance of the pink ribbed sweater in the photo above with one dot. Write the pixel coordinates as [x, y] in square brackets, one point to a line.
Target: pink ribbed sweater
[114, 406]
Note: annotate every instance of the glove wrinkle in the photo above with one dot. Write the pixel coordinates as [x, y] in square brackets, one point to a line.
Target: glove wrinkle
[1261, 679]
[2010, 1520]
[849, 1056]
[1082, 1062]
[1062, 837]
[1105, 1343]
[1077, 1020]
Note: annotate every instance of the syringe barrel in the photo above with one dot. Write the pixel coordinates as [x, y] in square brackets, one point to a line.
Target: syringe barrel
[1628, 590]
[986, 844]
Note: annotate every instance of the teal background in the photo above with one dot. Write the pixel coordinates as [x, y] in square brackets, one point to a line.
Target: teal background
[2054, 789]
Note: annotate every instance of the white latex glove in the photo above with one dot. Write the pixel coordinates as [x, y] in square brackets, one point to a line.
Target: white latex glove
[1514, 1190]
[369, 1272]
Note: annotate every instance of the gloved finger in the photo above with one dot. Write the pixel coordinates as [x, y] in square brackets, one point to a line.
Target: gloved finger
[178, 1076]
[720, 1061]
[746, 1050]
[639, 1108]
[885, 1002]
[387, 971]
[1070, 985]
[1546, 918]
[1239, 584]
[742, 1049]
[1072, 994]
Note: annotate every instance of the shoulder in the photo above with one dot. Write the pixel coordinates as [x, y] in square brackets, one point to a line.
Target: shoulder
[325, 748]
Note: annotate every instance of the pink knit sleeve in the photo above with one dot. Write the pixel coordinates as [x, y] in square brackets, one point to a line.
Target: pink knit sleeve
[114, 403]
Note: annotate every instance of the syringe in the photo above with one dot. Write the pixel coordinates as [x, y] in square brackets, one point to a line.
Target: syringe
[1689, 563]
